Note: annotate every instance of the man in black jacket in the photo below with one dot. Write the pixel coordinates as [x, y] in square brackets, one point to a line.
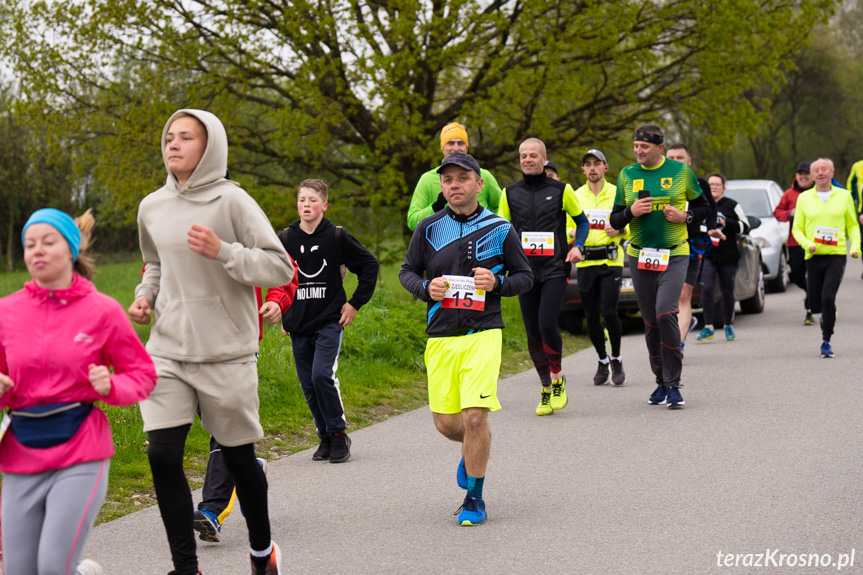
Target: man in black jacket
[537, 206]
[461, 261]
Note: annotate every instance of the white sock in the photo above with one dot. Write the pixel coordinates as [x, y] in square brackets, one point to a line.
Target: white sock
[605, 361]
[265, 553]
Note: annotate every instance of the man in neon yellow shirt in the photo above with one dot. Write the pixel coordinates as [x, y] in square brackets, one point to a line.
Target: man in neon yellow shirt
[824, 223]
[601, 271]
[855, 186]
[428, 196]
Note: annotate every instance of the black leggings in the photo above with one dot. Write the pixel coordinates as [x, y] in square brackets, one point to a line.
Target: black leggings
[727, 272]
[797, 263]
[175, 498]
[599, 288]
[823, 276]
[540, 307]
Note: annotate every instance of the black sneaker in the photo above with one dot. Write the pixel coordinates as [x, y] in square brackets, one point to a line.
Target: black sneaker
[340, 447]
[617, 375]
[323, 451]
[601, 377]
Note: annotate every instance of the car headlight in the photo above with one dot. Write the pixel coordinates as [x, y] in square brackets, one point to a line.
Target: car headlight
[762, 242]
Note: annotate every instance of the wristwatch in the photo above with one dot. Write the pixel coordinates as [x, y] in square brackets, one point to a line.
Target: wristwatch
[688, 217]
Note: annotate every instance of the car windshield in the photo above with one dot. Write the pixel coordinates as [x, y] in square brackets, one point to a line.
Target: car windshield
[753, 202]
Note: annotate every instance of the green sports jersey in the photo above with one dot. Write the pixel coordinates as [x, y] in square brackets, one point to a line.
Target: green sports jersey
[671, 183]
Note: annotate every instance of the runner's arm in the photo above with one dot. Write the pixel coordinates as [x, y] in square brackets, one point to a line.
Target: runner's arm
[413, 268]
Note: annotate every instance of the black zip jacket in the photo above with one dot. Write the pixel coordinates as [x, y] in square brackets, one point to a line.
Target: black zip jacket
[727, 251]
[694, 229]
[450, 244]
[320, 293]
[536, 205]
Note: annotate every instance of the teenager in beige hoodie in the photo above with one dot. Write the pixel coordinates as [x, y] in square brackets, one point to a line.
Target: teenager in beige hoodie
[206, 243]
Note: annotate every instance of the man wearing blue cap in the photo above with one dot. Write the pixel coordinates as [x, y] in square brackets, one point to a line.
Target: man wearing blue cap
[471, 258]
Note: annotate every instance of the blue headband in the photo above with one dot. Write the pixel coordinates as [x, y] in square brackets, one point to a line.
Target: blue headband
[60, 220]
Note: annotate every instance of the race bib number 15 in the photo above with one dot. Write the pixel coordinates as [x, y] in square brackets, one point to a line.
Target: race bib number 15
[537, 243]
[653, 260]
[461, 293]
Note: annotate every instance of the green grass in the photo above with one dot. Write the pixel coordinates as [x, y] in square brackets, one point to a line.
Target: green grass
[380, 369]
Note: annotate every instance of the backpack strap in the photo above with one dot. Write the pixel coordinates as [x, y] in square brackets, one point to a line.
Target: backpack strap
[283, 237]
[339, 245]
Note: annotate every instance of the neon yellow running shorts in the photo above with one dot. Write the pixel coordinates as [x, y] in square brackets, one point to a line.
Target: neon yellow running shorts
[463, 371]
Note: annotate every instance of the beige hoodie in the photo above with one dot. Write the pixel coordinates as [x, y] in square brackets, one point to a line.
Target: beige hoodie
[205, 310]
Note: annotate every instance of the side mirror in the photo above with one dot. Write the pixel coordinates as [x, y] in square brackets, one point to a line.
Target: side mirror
[754, 222]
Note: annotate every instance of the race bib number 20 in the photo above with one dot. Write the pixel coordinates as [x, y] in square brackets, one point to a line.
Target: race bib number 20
[653, 260]
[461, 293]
[597, 218]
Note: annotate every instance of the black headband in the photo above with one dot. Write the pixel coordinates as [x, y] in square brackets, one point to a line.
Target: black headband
[641, 136]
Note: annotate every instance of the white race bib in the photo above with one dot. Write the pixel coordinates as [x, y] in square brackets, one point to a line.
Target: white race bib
[826, 236]
[654, 260]
[597, 218]
[461, 293]
[537, 243]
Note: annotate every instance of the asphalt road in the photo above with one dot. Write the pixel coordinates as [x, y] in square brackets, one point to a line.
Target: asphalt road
[765, 458]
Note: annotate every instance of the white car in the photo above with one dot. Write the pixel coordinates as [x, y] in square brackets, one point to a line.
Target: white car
[759, 198]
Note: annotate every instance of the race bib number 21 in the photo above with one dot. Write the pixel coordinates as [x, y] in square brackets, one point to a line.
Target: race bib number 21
[537, 243]
[461, 293]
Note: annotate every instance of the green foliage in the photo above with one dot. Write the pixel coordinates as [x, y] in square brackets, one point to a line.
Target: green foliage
[355, 91]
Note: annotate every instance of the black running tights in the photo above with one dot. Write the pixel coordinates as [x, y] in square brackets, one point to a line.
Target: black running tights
[174, 497]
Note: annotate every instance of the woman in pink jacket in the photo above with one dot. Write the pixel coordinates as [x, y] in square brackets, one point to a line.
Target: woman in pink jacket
[63, 346]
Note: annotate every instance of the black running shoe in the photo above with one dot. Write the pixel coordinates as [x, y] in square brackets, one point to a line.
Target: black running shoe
[323, 451]
[601, 377]
[617, 375]
[340, 447]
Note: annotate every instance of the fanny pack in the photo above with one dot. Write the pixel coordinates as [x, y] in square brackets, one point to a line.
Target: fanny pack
[607, 252]
[42, 426]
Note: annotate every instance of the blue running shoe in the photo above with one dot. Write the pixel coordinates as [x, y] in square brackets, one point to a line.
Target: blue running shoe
[674, 399]
[706, 333]
[471, 512]
[826, 350]
[658, 396]
[729, 333]
[206, 523]
[461, 475]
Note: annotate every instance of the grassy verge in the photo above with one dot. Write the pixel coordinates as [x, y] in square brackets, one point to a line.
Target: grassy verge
[380, 368]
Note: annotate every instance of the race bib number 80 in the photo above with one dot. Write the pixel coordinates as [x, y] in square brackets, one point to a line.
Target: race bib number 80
[654, 260]
[461, 293]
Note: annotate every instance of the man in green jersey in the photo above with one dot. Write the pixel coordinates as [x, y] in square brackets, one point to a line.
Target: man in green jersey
[428, 196]
[651, 198]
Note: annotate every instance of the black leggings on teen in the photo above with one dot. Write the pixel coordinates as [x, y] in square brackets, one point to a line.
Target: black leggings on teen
[174, 497]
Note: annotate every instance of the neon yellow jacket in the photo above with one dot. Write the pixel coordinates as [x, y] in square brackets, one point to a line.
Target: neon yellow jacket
[597, 237]
[855, 185]
[837, 212]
